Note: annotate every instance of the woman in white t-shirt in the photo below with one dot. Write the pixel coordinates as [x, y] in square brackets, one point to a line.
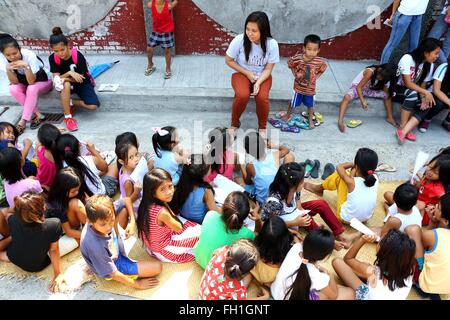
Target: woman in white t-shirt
[406, 18]
[253, 55]
[301, 278]
[28, 79]
[390, 278]
[415, 72]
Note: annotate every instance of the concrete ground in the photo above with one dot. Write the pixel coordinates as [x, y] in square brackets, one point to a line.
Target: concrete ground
[196, 99]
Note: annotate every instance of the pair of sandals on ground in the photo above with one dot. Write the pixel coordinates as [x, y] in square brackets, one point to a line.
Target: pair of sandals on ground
[295, 123]
[152, 69]
[35, 122]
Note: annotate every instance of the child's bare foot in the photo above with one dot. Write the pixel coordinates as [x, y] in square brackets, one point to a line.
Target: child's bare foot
[314, 188]
[338, 245]
[392, 122]
[286, 117]
[347, 239]
[311, 124]
[341, 126]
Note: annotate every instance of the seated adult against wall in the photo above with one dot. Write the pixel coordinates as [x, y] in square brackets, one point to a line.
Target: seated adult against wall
[253, 55]
[71, 75]
[28, 79]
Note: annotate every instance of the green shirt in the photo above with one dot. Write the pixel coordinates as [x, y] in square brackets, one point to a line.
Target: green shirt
[214, 236]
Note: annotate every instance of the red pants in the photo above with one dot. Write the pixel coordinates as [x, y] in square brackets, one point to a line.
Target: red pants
[242, 89]
[322, 208]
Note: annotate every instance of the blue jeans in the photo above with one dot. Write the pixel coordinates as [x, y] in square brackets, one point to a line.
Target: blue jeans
[440, 27]
[400, 25]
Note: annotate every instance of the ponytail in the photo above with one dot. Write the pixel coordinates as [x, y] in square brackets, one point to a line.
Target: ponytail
[240, 259]
[235, 210]
[162, 139]
[58, 37]
[318, 244]
[301, 286]
[367, 161]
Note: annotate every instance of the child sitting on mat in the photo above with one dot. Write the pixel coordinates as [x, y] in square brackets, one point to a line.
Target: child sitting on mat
[102, 248]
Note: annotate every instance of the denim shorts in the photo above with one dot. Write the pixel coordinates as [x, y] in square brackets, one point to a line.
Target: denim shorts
[126, 265]
[110, 184]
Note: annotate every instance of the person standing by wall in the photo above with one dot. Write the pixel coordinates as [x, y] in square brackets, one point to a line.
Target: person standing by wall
[406, 18]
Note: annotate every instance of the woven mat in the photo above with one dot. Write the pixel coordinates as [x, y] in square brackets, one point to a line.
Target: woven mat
[182, 281]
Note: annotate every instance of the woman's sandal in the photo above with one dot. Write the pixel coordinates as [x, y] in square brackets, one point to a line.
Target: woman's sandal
[36, 122]
[20, 129]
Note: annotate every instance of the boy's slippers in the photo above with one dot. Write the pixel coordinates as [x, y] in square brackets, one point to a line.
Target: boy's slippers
[353, 123]
[276, 123]
[384, 167]
[150, 71]
[328, 170]
[309, 166]
[168, 75]
[315, 169]
[316, 117]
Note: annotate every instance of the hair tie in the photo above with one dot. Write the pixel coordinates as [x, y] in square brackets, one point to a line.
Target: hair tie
[160, 131]
[370, 172]
[67, 149]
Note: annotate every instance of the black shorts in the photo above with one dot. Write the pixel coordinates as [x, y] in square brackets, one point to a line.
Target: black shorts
[86, 92]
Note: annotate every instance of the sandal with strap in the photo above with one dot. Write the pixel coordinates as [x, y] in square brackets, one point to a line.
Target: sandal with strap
[167, 75]
[36, 122]
[20, 129]
[150, 71]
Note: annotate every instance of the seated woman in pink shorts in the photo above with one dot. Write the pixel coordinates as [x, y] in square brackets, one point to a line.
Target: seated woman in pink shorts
[372, 82]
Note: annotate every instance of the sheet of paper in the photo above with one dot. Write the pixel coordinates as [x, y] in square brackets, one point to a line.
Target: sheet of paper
[421, 160]
[224, 187]
[294, 215]
[358, 225]
[140, 171]
[108, 87]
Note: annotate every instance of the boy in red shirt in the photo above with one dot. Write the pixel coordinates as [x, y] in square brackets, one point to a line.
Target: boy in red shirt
[162, 33]
[307, 67]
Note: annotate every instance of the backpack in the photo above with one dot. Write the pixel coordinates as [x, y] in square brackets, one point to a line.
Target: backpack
[74, 52]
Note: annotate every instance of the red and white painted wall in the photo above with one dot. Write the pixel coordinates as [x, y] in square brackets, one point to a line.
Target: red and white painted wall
[122, 30]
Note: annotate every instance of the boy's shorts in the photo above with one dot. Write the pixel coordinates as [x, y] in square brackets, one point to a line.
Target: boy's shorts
[126, 265]
[165, 40]
[86, 92]
[298, 99]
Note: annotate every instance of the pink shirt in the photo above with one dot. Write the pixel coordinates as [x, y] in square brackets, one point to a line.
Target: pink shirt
[16, 189]
[225, 169]
[47, 170]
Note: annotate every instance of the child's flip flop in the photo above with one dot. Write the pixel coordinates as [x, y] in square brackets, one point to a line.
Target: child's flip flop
[167, 75]
[150, 71]
[384, 167]
[276, 123]
[353, 123]
[287, 128]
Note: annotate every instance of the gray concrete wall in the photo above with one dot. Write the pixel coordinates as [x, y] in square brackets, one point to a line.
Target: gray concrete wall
[36, 18]
[292, 20]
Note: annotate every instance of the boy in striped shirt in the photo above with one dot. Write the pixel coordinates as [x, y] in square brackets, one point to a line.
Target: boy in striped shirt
[307, 67]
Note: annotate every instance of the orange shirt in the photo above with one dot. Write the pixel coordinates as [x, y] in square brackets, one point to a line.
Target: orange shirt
[306, 73]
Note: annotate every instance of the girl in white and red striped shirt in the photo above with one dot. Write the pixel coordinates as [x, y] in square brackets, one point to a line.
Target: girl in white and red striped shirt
[166, 236]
